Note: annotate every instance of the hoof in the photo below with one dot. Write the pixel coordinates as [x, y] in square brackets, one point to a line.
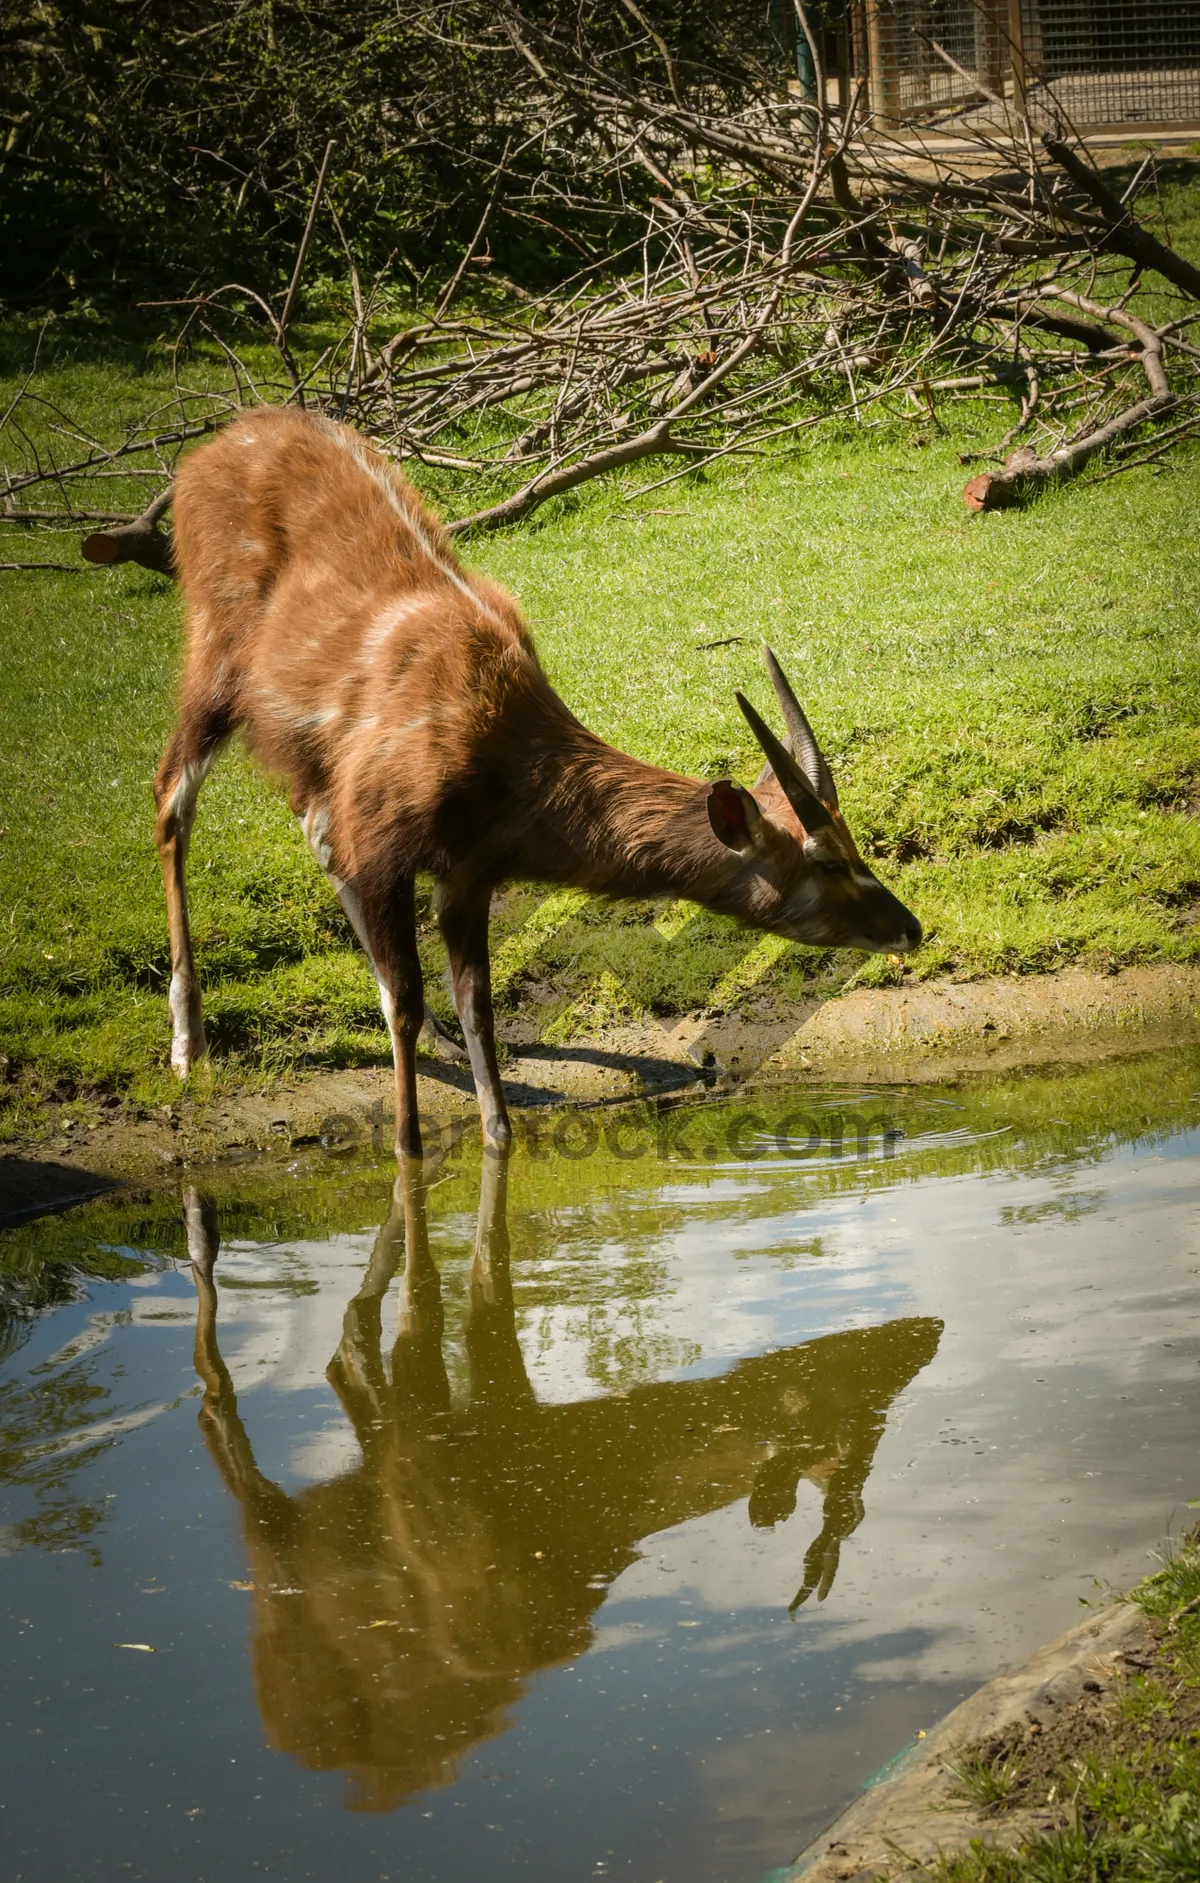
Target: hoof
[185, 1053]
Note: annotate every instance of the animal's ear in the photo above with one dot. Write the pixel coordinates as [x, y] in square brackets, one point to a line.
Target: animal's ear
[735, 818]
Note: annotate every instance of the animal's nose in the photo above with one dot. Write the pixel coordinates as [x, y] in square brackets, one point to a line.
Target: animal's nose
[913, 933]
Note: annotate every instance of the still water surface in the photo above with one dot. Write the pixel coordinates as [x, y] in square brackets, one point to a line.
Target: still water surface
[615, 1513]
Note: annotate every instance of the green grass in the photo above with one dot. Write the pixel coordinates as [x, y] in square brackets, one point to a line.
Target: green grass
[985, 1782]
[1011, 704]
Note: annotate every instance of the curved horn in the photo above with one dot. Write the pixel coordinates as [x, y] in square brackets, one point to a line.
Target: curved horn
[796, 788]
[804, 739]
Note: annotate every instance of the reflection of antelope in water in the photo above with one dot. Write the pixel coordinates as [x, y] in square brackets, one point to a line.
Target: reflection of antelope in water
[403, 1606]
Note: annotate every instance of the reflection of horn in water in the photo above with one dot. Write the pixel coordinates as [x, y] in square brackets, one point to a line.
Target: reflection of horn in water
[402, 1607]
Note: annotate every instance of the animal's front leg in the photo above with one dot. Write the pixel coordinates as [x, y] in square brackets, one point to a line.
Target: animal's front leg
[499, 1382]
[420, 1384]
[356, 1371]
[463, 918]
[402, 993]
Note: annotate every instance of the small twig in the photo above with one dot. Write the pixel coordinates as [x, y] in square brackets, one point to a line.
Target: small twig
[290, 298]
[58, 568]
[451, 288]
[30, 376]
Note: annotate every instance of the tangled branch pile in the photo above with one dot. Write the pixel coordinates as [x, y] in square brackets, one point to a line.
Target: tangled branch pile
[751, 265]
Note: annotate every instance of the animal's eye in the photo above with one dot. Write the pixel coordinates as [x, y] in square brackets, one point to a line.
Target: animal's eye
[834, 867]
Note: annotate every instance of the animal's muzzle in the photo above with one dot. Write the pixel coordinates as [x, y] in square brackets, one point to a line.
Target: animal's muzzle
[912, 936]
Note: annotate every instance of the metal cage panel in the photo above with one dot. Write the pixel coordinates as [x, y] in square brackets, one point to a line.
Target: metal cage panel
[1078, 63]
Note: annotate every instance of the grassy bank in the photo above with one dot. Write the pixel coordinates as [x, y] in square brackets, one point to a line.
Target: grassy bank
[1122, 1777]
[1011, 704]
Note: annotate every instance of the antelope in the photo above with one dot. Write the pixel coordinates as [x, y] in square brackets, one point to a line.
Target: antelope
[404, 1606]
[400, 698]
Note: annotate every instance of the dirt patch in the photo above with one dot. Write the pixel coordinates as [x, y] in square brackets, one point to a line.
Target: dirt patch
[915, 1033]
[1038, 1751]
[997, 1023]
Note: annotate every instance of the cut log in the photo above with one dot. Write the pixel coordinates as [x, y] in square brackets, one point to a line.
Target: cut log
[1024, 470]
[140, 540]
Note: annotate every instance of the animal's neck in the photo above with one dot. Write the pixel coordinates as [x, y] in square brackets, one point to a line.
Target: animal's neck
[619, 827]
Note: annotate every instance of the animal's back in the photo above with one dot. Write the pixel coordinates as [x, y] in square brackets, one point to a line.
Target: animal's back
[284, 497]
[362, 661]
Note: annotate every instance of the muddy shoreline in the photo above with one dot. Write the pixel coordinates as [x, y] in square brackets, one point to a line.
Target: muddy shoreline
[917, 1033]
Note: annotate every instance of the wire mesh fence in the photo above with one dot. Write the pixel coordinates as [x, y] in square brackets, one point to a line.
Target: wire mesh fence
[1082, 63]
[1116, 61]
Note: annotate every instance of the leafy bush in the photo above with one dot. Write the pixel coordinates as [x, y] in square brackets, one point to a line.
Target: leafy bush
[151, 148]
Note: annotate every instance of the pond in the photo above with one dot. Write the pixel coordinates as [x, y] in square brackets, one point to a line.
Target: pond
[615, 1511]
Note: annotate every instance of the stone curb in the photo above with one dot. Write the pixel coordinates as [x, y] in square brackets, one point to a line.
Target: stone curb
[909, 1814]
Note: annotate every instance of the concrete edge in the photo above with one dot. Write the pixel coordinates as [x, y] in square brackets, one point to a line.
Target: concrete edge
[909, 1814]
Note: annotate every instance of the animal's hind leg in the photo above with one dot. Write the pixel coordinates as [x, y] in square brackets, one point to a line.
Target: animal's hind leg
[444, 1044]
[186, 763]
[386, 925]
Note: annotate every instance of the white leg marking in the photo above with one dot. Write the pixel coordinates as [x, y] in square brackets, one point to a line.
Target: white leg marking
[353, 908]
[315, 825]
[187, 790]
[184, 1047]
[389, 1014]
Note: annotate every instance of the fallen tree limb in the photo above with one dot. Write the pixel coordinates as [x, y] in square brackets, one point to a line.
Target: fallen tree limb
[755, 268]
[1123, 232]
[98, 462]
[512, 509]
[64, 517]
[56, 568]
[1151, 339]
[1025, 468]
